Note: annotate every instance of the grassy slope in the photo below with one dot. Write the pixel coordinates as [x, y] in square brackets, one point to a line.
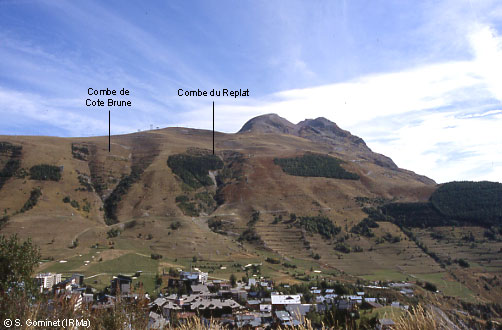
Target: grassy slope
[151, 202]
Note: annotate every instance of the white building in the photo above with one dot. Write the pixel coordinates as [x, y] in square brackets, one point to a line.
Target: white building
[281, 299]
[47, 280]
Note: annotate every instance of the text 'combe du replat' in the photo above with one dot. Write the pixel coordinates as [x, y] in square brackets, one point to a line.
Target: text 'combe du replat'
[214, 92]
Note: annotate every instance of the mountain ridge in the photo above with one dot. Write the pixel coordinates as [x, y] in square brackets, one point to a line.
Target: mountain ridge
[144, 197]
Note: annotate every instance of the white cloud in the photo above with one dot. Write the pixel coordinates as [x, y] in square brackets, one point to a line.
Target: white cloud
[487, 47]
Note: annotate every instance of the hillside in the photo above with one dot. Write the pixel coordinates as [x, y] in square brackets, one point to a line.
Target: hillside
[274, 189]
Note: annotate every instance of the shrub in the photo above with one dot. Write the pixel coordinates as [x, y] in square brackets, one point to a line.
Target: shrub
[272, 261]
[462, 263]
[249, 235]
[289, 265]
[430, 286]
[114, 232]
[255, 216]
[363, 227]
[342, 247]
[111, 203]
[189, 209]
[75, 204]
[175, 225]
[86, 207]
[181, 199]
[156, 256]
[215, 225]
[32, 200]
[66, 199]
[319, 224]
[4, 220]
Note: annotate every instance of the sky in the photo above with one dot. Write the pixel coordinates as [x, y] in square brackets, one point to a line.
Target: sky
[419, 81]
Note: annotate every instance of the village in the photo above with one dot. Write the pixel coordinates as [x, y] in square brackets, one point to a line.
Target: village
[254, 304]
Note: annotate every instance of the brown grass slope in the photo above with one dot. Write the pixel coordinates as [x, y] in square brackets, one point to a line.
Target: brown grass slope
[54, 225]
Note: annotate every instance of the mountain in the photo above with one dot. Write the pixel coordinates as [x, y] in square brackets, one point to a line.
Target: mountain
[270, 123]
[322, 131]
[298, 193]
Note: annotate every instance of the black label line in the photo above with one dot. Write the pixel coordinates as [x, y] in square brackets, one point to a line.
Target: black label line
[109, 135]
[213, 127]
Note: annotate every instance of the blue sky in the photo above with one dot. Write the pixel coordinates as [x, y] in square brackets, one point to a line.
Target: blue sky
[419, 81]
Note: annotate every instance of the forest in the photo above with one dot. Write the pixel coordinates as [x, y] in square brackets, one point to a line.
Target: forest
[453, 203]
[45, 172]
[12, 164]
[193, 169]
[111, 203]
[473, 202]
[315, 165]
[320, 225]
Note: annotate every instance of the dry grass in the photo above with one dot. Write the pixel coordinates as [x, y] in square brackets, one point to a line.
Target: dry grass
[125, 315]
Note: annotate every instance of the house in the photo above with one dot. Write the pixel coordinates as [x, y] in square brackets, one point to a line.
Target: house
[371, 304]
[63, 287]
[285, 319]
[200, 289]
[407, 292]
[283, 316]
[121, 284]
[253, 304]
[265, 308]
[79, 279]
[239, 294]
[248, 320]
[298, 312]
[279, 299]
[194, 277]
[345, 305]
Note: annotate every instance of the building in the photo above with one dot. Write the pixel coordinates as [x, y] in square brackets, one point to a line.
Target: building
[194, 277]
[121, 284]
[280, 299]
[79, 279]
[47, 280]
